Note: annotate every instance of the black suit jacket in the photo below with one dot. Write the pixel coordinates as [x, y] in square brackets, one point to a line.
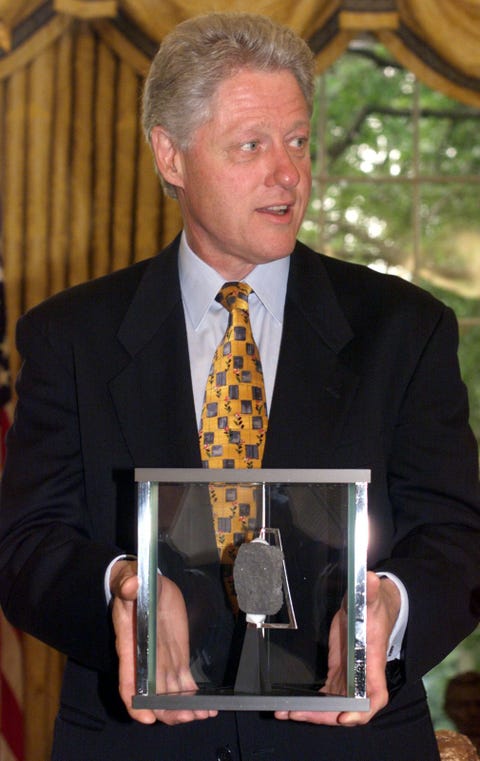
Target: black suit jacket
[370, 364]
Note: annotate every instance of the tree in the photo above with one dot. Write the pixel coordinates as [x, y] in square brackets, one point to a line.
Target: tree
[396, 175]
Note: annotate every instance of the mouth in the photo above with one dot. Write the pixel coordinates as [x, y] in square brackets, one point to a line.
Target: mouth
[278, 210]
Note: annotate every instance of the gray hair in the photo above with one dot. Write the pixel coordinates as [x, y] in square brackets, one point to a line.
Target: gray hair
[195, 58]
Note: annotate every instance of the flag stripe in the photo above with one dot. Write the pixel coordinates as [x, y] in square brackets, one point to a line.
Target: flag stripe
[5, 752]
[11, 720]
[11, 657]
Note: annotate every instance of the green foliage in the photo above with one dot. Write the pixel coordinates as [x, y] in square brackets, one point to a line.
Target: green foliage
[396, 181]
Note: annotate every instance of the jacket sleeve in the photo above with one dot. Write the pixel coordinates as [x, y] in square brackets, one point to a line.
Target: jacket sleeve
[51, 570]
[434, 492]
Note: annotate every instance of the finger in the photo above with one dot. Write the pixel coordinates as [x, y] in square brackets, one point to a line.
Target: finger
[179, 682]
[127, 687]
[373, 587]
[142, 715]
[182, 716]
[124, 624]
[355, 718]
[377, 693]
[329, 718]
[121, 570]
[128, 588]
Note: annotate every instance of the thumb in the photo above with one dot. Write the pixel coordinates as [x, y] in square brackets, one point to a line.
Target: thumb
[124, 580]
[373, 587]
[127, 587]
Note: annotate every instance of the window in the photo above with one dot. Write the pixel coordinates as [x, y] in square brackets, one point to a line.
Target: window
[396, 184]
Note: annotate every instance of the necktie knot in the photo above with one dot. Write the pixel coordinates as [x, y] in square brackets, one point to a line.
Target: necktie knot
[234, 296]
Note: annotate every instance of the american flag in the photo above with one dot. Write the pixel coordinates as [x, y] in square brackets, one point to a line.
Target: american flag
[11, 665]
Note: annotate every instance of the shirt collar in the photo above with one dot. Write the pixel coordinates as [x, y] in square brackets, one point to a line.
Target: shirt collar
[200, 284]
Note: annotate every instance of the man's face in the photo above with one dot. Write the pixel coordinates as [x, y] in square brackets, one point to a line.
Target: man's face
[463, 707]
[243, 184]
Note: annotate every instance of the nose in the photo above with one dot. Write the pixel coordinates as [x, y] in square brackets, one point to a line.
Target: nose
[283, 169]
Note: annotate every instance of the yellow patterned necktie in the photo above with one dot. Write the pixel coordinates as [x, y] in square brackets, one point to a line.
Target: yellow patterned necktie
[234, 421]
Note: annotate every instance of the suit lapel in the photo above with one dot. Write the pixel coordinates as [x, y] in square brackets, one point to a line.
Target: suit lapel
[313, 387]
[153, 393]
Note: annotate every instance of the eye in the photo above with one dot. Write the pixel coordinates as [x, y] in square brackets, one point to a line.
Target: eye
[250, 146]
[299, 143]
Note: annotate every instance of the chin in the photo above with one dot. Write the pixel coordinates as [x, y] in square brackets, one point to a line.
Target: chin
[279, 245]
[279, 252]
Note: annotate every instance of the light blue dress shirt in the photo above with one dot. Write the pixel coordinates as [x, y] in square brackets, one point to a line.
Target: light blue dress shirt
[207, 320]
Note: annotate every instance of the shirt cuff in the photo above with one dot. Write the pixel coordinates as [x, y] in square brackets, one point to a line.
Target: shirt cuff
[106, 580]
[396, 638]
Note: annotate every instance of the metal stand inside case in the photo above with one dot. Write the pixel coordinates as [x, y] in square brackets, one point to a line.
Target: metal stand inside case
[308, 560]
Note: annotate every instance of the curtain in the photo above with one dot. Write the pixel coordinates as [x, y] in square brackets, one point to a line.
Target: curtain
[78, 193]
[79, 198]
[439, 40]
[69, 130]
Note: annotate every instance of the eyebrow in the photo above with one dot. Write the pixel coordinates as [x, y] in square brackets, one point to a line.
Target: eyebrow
[246, 129]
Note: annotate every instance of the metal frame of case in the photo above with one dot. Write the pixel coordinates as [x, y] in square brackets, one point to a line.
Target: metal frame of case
[149, 482]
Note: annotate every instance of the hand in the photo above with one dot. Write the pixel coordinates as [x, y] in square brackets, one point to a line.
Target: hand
[173, 672]
[383, 606]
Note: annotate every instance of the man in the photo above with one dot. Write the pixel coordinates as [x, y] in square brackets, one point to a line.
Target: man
[462, 704]
[360, 371]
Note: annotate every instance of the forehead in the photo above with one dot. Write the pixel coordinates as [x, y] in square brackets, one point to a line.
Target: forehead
[258, 95]
[463, 692]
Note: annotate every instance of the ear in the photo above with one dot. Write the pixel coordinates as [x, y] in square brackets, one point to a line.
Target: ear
[167, 156]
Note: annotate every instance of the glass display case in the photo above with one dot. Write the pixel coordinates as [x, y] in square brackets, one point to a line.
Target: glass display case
[245, 621]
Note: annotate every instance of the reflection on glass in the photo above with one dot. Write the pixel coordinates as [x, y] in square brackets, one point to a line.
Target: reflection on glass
[302, 575]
